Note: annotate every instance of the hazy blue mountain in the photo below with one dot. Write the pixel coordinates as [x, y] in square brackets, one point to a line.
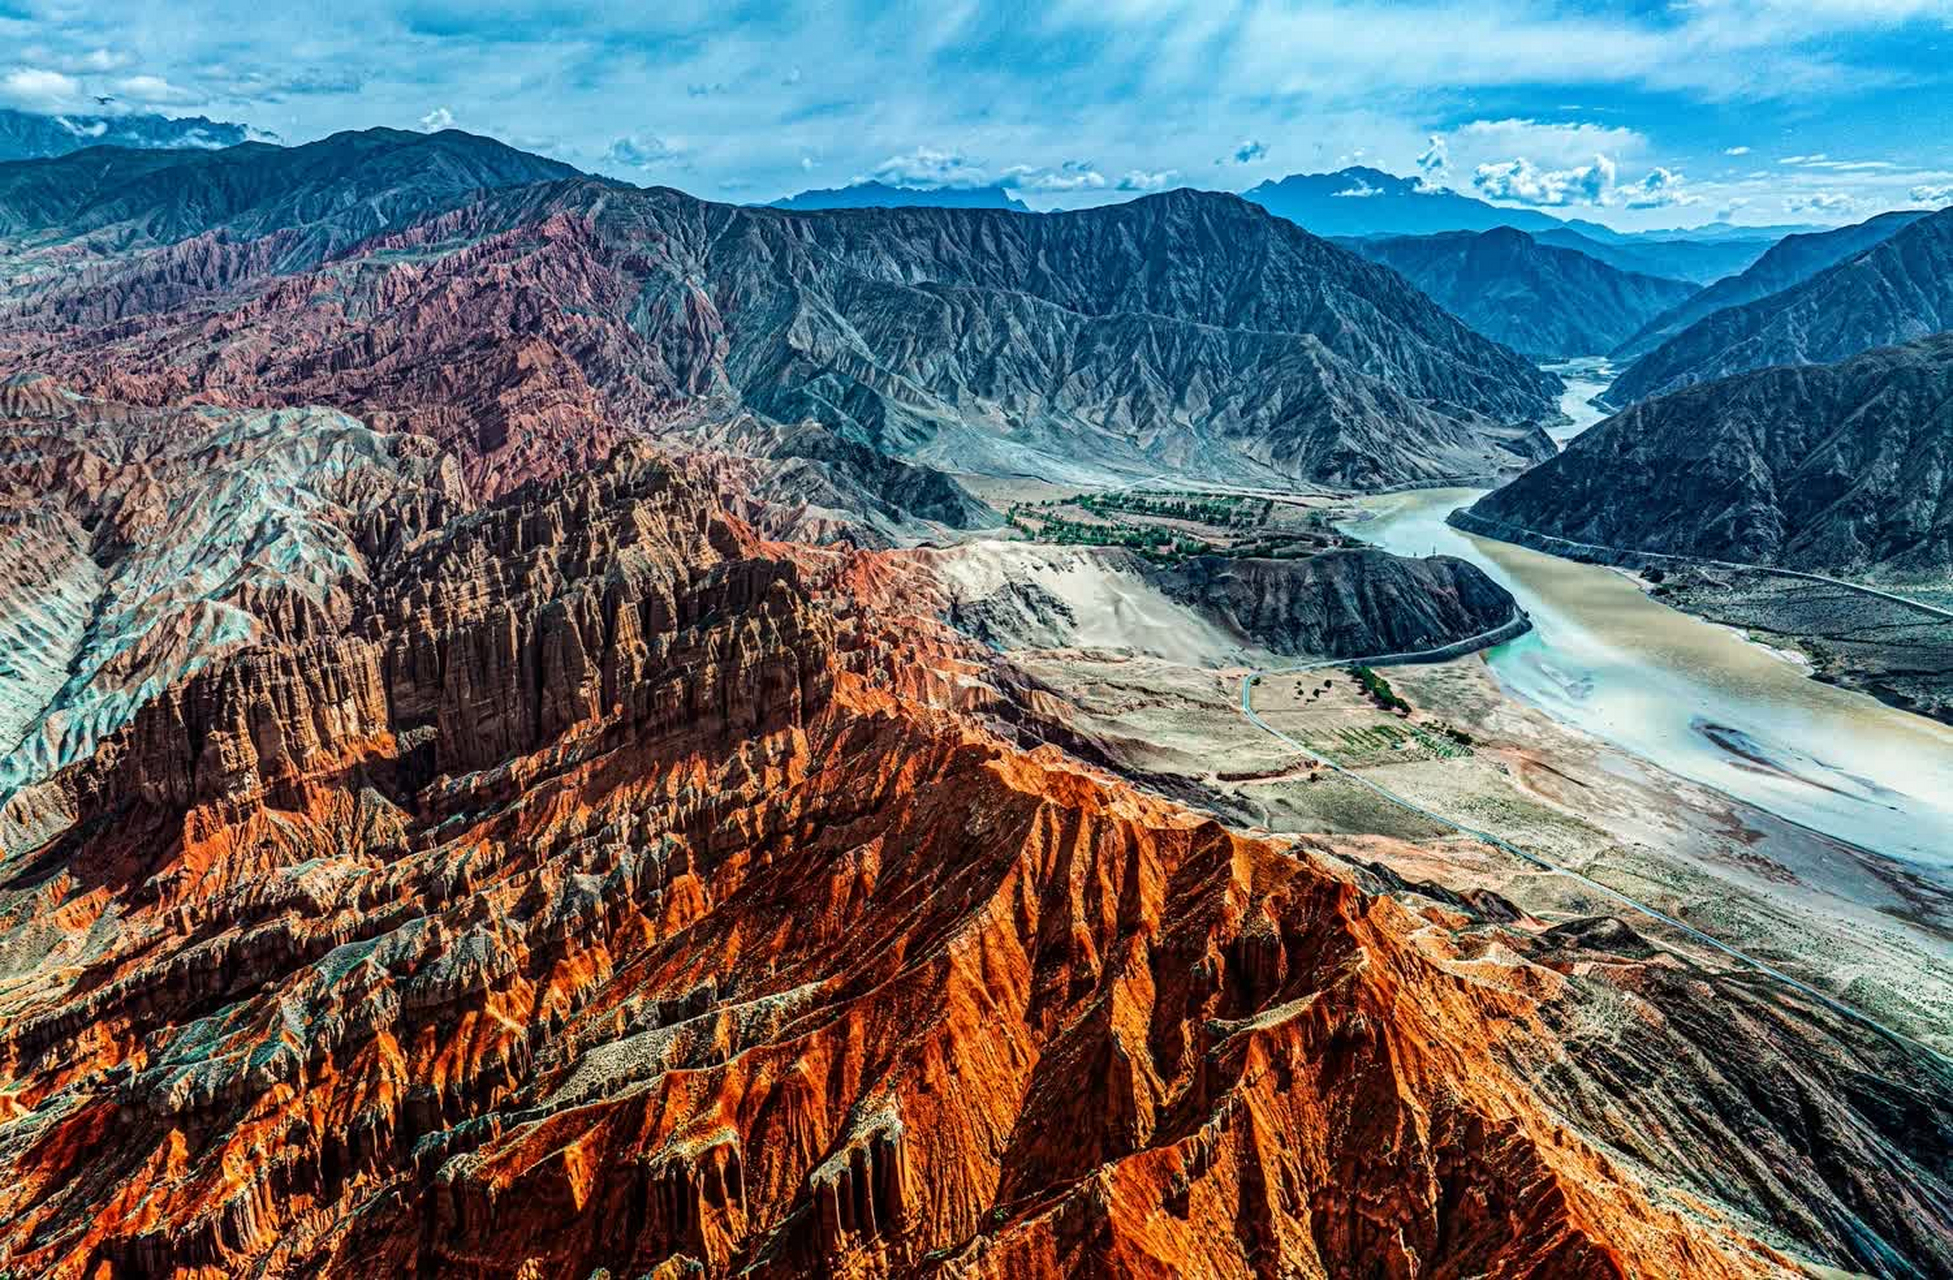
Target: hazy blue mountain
[1543, 300]
[1698, 261]
[1791, 261]
[1369, 202]
[881, 195]
[31, 137]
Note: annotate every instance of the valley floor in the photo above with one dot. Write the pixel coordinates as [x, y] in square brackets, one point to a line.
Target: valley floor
[1848, 922]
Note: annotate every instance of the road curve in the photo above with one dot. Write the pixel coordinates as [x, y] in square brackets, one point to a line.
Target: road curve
[1248, 683]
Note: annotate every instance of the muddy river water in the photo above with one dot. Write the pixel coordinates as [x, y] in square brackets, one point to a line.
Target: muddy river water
[1698, 699]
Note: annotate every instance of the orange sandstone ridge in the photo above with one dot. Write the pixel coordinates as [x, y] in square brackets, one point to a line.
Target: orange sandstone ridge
[589, 884]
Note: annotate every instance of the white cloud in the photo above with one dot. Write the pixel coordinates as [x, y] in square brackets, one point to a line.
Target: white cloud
[1140, 180]
[1933, 194]
[640, 151]
[1847, 166]
[1361, 191]
[1821, 202]
[93, 129]
[1555, 144]
[37, 89]
[931, 167]
[1521, 181]
[1736, 151]
[438, 119]
[1659, 188]
[152, 91]
[1072, 175]
[1434, 163]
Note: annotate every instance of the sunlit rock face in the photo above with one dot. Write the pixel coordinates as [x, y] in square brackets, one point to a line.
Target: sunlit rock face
[610, 887]
[454, 822]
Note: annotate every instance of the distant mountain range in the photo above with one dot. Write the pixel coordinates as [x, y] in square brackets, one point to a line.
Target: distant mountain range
[24, 136]
[881, 195]
[1536, 298]
[1836, 467]
[313, 199]
[1791, 261]
[1365, 202]
[1697, 261]
[1361, 201]
[1899, 289]
[1187, 330]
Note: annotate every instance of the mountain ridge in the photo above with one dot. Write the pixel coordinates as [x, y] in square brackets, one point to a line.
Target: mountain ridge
[1187, 325]
[1899, 289]
[1545, 301]
[1791, 261]
[1835, 468]
[28, 136]
[883, 195]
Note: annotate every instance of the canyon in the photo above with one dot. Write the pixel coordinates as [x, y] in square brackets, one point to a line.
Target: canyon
[537, 738]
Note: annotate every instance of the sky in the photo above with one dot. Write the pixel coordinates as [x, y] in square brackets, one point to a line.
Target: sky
[1637, 115]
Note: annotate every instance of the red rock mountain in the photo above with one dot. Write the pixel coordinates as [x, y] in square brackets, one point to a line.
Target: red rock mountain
[456, 841]
[608, 887]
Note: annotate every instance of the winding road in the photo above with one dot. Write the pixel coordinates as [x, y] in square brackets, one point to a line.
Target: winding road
[1248, 683]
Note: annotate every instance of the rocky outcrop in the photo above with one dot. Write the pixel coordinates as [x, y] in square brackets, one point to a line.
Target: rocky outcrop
[1831, 468]
[143, 543]
[1899, 290]
[1348, 604]
[1216, 611]
[1548, 302]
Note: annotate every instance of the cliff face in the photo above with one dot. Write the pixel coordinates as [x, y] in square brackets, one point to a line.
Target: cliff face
[1827, 468]
[1899, 290]
[143, 542]
[525, 324]
[1548, 302]
[617, 889]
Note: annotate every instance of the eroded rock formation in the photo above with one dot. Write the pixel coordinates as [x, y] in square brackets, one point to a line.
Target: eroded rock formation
[618, 889]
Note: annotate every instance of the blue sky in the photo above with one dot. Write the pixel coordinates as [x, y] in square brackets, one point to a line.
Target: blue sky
[1638, 114]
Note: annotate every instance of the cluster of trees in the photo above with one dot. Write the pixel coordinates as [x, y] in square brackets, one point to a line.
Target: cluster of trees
[1220, 510]
[1379, 690]
[1149, 540]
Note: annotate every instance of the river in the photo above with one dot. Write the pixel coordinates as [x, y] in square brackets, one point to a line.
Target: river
[1690, 696]
[1697, 699]
[1585, 377]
